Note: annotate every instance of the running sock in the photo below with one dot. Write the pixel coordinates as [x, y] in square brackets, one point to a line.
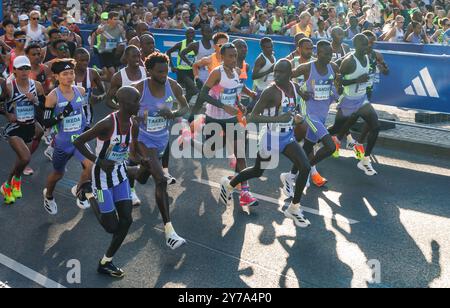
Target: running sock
[166, 170]
[105, 260]
[294, 208]
[313, 170]
[366, 160]
[350, 139]
[168, 228]
[245, 188]
[17, 179]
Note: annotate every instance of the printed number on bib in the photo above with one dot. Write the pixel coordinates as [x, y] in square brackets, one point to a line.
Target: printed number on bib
[25, 113]
[117, 153]
[322, 92]
[155, 124]
[72, 123]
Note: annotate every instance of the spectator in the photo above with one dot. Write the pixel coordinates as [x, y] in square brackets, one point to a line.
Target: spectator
[8, 37]
[396, 33]
[417, 36]
[303, 26]
[35, 32]
[162, 21]
[276, 22]
[429, 28]
[241, 24]
[262, 25]
[321, 33]
[354, 29]
[202, 18]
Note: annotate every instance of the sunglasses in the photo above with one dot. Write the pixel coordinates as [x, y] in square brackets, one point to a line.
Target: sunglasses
[24, 68]
[21, 40]
[34, 18]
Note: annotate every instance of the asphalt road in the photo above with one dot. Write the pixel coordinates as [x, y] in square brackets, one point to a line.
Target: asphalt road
[398, 221]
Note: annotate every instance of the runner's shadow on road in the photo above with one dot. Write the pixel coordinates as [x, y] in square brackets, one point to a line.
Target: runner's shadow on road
[387, 232]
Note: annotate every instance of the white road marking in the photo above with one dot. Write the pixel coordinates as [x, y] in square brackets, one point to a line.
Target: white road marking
[29, 273]
[327, 214]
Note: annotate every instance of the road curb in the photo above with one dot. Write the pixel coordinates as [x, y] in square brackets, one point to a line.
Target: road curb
[413, 146]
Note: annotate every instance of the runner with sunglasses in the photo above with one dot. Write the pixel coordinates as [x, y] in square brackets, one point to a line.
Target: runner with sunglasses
[24, 95]
[20, 38]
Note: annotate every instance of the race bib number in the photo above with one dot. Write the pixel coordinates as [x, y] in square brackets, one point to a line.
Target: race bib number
[361, 88]
[111, 44]
[73, 123]
[118, 153]
[25, 113]
[322, 92]
[155, 124]
[228, 97]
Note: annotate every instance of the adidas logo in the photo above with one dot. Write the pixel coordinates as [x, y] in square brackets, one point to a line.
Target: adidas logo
[422, 85]
[68, 67]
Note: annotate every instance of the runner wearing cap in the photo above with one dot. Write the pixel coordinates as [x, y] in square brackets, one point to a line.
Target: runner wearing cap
[64, 112]
[24, 95]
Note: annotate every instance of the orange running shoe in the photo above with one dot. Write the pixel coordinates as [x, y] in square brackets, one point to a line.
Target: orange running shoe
[318, 180]
[6, 191]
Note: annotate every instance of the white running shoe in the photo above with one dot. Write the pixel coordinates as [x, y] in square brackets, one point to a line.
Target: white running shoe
[82, 204]
[226, 190]
[366, 166]
[173, 241]
[288, 182]
[170, 179]
[298, 218]
[50, 204]
[134, 198]
[49, 152]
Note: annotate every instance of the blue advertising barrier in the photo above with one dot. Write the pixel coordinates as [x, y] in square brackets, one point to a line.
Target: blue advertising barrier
[415, 81]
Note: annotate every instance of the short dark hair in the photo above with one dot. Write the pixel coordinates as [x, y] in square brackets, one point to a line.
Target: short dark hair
[80, 51]
[129, 49]
[32, 46]
[369, 34]
[304, 41]
[265, 40]
[53, 31]
[219, 36]
[7, 22]
[225, 47]
[322, 44]
[156, 58]
[57, 42]
[19, 33]
[112, 15]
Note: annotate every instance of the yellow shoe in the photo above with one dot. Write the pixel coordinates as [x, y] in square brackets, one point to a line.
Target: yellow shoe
[16, 188]
[338, 147]
[7, 194]
[359, 151]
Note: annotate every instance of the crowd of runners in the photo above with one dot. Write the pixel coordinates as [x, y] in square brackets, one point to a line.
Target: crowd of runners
[49, 94]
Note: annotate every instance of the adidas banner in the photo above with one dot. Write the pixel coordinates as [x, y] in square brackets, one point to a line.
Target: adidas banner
[415, 81]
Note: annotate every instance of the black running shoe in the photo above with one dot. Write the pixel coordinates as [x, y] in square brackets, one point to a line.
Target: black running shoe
[110, 269]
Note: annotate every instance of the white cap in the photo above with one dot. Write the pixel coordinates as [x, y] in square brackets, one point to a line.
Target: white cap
[37, 7]
[23, 17]
[21, 61]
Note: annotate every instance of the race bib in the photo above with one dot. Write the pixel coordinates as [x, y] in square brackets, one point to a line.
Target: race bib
[156, 124]
[322, 92]
[73, 123]
[361, 88]
[25, 113]
[228, 97]
[118, 153]
[111, 44]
